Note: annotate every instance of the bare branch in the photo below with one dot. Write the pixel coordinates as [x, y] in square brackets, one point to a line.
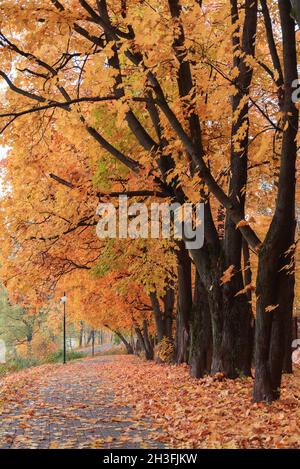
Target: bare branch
[61, 181]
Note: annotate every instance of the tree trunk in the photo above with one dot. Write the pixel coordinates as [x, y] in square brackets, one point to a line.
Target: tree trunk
[168, 301]
[184, 304]
[125, 342]
[201, 332]
[90, 336]
[271, 324]
[158, 317]
[210, 268]
[123, 339]
[149, 354]
[248, 282]
[295, 328]
[80, 340]
[147, 340]
[288, 336]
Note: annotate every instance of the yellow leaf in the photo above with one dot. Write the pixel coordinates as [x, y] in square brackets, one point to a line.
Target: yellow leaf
[270, 308]
[227, 275]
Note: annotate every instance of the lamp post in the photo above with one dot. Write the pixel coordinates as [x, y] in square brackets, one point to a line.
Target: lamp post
[93, 343]
[64, 301]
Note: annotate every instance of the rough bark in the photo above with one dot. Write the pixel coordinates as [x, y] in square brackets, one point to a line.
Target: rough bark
[210, 267]
[184, 304]
[201, 333]
[288, 330]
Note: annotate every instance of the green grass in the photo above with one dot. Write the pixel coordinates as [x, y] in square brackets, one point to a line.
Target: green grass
[19, 363]
[57, 357]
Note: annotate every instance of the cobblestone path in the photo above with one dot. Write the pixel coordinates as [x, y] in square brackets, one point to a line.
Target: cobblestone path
[71, 407]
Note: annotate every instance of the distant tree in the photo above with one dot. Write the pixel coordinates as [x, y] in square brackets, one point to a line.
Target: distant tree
[17, 325]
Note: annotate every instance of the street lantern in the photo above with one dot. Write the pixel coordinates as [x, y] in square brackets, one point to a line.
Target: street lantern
[64, 301]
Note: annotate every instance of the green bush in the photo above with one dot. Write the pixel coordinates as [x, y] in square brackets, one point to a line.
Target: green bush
[17, 364]
[116, 339]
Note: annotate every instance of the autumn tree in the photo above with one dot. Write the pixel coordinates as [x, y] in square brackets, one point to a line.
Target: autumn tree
[165, 115]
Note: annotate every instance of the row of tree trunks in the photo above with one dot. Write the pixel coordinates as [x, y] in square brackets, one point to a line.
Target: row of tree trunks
[229, 313]
[85, 335]
[232, 322]
[215, 331]
[275, 281]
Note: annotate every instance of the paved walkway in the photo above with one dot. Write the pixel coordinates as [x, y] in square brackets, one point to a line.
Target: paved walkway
[72, 407]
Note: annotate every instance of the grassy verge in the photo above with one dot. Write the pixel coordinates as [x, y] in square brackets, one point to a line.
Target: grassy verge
[21, 363]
